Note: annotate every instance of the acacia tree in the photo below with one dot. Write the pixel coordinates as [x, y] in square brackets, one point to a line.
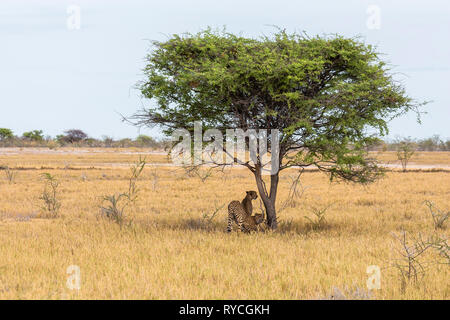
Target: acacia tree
[328, 97]
[6, 134]
[75, 135]
[405, 150]
[35, 135]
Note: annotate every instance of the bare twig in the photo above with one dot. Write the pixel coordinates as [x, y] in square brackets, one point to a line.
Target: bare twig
[10, 175]
[439, 217]
[410, 263]
[296, 191]
[50, 196]
[210, 217]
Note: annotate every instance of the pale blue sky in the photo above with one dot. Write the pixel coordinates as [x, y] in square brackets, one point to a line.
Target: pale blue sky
[54, 79]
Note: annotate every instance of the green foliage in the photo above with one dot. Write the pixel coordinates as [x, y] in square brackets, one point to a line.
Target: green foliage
[146, 141]
[136, 170]
[123, 143]
[6, 134]
[35, 135]
[318, 220]
[60, 138]
[405, 150]
[324, 93]
[433, 143]
[116, 204]
[114, 209]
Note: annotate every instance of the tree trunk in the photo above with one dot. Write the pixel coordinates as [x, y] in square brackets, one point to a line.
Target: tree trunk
[268, 198]
[271, 214]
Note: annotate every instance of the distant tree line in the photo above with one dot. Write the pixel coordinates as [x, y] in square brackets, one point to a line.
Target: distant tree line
[434, 143]
[76, 138]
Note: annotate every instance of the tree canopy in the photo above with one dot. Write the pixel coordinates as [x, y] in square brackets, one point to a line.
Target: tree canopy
[35, 135]
[329, 96]
[75, 135]
[6, 134]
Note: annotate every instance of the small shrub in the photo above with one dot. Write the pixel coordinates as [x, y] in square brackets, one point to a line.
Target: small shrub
[154, 177]
[6, 134]
[146, 141]
[114, 210]
[285, 225]
[318, 220]
[116, 204]
[442, 248]
[49, 196]
[439, 217]
[10, 175]
[411, 264]
[52, 145]
[405, 150]
[136, 170]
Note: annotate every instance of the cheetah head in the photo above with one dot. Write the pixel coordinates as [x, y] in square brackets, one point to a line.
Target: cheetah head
[253, 195]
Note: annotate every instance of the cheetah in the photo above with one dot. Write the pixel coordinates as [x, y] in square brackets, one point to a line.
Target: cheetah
[241, 213]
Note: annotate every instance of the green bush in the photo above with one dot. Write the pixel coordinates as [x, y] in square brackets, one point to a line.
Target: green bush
[6, 134]
[35, 135]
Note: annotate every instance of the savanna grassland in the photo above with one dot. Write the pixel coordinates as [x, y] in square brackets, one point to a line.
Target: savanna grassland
[173, 244]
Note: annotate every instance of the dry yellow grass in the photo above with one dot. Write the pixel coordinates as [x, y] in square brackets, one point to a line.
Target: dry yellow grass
[168, 251]
[75, 158]
[418, 158]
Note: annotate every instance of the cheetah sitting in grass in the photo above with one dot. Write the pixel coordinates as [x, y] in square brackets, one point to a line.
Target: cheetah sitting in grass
[241, 213]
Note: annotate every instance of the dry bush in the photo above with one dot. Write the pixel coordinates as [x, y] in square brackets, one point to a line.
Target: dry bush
[154, 177]
[198, 171]
[439, 217]
[50, 197]
[296, 191]
[10, 174]
[412, 251]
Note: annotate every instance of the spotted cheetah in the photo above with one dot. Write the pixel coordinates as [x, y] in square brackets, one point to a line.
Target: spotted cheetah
[241, 213]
